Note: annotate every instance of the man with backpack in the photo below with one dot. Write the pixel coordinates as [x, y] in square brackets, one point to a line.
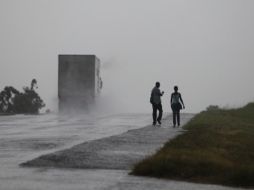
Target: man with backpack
[155, 100]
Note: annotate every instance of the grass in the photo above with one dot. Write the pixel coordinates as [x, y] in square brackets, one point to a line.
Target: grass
[218, 148]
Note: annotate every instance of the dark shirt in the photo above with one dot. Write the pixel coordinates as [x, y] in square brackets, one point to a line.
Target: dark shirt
[156, 96]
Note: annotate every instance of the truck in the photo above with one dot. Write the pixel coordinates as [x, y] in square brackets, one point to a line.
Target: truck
[79, 81]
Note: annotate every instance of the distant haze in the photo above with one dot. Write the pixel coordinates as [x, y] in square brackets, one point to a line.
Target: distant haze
[206, 47]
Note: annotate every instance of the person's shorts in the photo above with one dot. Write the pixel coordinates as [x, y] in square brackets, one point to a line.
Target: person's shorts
[176, 107]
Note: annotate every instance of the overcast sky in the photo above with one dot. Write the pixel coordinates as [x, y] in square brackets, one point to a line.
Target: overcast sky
[206, 47]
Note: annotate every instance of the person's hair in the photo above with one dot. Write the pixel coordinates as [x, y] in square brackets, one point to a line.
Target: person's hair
[176, 88]
[157, 84]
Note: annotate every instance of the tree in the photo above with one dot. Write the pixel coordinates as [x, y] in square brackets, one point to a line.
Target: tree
[13, 101]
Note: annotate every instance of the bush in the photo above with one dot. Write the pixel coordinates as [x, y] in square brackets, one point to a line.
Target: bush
[212, 108]
[14, 102]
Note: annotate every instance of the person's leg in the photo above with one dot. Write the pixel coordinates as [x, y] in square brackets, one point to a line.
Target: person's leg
[160, 113]
[178, 118]
[154, 114]
[174, 118]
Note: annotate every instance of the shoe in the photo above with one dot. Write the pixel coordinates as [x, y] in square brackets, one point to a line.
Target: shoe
[154, 123]
[159, 122]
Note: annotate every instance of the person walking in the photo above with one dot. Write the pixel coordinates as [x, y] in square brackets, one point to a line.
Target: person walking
[176, 105]
[155, 100]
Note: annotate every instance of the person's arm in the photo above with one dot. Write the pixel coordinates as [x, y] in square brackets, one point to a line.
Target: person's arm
[171, 98]
[161, 93]
[181, 100]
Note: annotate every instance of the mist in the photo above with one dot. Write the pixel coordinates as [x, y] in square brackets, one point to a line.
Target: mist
[204, 47]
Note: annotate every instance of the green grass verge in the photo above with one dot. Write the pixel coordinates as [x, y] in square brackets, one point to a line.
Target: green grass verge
[218, 148]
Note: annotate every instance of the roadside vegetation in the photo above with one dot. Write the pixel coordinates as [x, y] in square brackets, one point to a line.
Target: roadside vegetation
[217, 148]
[13, 101]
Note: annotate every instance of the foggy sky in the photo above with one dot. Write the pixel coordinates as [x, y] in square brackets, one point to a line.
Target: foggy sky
[203, 46]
